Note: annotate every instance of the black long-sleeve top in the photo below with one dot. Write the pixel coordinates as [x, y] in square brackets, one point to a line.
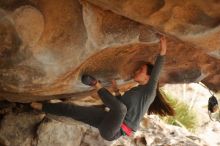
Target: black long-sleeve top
[138, 99]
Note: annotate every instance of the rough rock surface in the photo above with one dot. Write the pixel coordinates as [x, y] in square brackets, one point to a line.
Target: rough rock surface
[18, 129]
[45, 45]
[29, 129]
[57, 134]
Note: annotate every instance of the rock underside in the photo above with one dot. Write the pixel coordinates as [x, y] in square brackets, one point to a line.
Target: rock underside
[46, 45]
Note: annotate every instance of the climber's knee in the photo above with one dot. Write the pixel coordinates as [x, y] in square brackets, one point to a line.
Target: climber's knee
[107, 135]
[121, 109]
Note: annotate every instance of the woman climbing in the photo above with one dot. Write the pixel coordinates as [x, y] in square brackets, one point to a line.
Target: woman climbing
[127, 110]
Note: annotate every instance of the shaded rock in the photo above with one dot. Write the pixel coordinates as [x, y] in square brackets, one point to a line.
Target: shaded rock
[156, 133]
[10, 40]
[45, 59]
[58, 130]
[92, 137]
[29, 23]
[19, 129]
[33, 129]
[56, 134]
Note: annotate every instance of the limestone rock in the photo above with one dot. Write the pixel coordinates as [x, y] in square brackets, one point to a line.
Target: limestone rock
[19, 129]
[56, 134]
[29, 23]
[29, 129]
[46, 45]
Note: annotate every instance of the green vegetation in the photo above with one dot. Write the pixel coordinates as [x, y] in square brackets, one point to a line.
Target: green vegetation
[184, 117]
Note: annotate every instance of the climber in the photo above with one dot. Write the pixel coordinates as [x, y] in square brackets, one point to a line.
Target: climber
[126, 110]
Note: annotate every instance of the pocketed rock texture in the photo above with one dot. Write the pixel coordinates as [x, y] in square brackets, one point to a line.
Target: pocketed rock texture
[46, 45]
[25, 128]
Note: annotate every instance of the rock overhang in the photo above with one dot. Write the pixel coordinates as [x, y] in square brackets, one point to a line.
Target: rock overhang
[105, 38]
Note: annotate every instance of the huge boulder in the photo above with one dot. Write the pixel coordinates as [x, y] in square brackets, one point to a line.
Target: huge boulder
[46, 45]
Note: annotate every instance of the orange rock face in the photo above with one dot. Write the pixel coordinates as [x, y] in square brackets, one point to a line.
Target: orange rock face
[45, 45]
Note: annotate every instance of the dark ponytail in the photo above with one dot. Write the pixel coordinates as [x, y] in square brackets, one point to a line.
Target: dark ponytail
[159, 106]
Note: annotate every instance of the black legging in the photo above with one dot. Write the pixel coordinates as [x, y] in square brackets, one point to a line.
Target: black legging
[108, 123]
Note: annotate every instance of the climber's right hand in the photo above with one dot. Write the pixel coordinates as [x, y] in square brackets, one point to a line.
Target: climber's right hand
[163, 45]
[114, 85]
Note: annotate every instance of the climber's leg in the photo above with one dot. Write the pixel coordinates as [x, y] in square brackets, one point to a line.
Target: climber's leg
[92, 115]
[110, 125]
[112, 121]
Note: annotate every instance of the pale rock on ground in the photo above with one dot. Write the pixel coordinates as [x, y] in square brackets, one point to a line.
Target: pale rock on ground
[25, 129]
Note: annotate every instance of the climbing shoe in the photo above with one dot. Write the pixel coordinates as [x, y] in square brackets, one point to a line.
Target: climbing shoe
[88, 80]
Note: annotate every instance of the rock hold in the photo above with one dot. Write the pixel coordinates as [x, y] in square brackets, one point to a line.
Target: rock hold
[46, 56]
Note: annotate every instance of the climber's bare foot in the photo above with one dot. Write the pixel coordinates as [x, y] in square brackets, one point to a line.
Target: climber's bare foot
[36, 105]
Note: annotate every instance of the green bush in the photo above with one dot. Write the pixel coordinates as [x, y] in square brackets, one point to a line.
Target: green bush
[184, 117]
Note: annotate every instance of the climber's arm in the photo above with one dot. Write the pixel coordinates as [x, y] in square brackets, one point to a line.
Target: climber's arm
[115, 89]
[158, 64]
[163, 46]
